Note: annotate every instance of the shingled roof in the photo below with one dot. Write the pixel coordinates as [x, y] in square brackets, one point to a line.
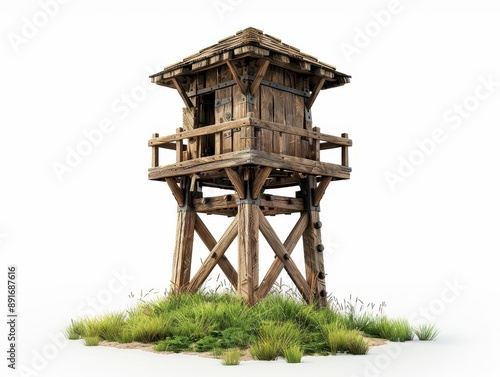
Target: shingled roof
[254, 43]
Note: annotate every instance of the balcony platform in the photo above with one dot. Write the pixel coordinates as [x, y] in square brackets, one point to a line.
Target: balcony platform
[288, 151]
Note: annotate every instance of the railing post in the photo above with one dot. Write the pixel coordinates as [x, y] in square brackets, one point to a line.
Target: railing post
[179, 146]
[155, 159]
[345, 152]
[315, 148]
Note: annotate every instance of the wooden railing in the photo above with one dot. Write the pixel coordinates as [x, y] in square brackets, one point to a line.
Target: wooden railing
[248, 134]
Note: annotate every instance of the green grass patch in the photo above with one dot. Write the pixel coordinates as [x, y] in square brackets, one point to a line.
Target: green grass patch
[426, 332]
[175, 344]
[275, 326]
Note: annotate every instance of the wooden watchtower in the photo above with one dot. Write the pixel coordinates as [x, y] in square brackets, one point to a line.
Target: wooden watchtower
[247, 128]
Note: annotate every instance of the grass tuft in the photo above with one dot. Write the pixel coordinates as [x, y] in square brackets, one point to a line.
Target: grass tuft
[426, 332]
[231, 357]
[293, 354]
[75, 330]
[91, 341]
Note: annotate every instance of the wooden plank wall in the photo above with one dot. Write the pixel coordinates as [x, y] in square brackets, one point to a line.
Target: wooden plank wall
[224, 113]
[276, 105]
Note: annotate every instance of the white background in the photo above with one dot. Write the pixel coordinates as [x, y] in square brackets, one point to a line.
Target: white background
[405, 245]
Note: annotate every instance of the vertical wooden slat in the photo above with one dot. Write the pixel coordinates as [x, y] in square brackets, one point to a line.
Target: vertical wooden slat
[277, 75]
[289, 114]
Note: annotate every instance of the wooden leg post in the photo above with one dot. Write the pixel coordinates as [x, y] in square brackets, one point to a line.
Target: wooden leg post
[186, 218]
[313, 246]
[248, 247]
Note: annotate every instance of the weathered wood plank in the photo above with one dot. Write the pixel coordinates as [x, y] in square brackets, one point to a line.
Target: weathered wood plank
[213, 259]
[199, 132]
[224, 202]
[210, 242]
[249, 157]
[277, 76]
[290, 140]
[248, 251]
[282, 253]
[277, 266]
[181, 267]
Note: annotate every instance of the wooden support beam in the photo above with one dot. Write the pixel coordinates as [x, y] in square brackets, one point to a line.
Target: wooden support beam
[215, 255]
[282, 253]
[260, 180]
[258, 78]
[277, 266]
[237, 182]
[313, 256]
[182, 92]
[210, 242]
[315, 92]
[236, 76]
[181, 267]
[248, 251]
[155, 159]
[320, 190]
[176, 191]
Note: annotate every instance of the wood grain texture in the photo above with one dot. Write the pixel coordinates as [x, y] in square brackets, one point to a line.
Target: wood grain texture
[277, 265]
[181, 267]
[210, 242]
[213, 259]
[248, 252]
[282, 253]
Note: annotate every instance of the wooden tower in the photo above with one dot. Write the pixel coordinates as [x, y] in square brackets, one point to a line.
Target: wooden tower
[247, 128]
